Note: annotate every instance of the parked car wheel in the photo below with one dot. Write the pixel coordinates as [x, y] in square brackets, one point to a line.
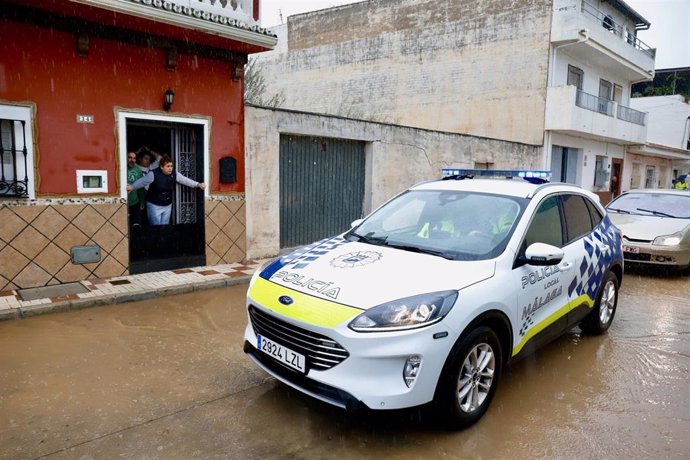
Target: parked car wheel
[601, 316]
[470, 378]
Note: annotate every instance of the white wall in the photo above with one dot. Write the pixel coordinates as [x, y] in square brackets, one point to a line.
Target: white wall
[668, 119]
[397, 158]
[473, 66]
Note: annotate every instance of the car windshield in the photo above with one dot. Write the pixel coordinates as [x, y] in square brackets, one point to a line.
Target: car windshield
[450, 224]
[673, 205]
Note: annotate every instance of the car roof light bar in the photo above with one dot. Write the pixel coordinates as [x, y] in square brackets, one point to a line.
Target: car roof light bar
[533, 176]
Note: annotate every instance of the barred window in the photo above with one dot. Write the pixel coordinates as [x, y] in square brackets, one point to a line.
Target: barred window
[14, 170]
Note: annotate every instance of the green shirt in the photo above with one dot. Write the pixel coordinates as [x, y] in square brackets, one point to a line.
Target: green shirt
[135, 196]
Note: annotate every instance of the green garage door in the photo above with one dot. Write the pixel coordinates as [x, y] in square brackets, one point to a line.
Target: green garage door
[321, 187]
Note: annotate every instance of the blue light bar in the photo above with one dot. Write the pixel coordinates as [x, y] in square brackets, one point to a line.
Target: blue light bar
[507, 173]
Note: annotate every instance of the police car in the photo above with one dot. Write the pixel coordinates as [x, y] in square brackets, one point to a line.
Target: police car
[426, 300]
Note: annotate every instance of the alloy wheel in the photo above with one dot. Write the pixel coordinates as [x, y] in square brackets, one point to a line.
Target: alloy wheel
[476, 377]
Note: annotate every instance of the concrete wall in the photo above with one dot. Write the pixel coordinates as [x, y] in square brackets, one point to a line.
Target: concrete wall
[668, 119]
[397, 157]
[472, 66]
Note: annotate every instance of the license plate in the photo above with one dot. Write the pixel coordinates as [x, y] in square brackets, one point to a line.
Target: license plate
[281, 353]
[631, 249]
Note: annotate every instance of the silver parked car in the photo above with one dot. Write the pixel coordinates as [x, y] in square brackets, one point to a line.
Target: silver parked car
[656, 226]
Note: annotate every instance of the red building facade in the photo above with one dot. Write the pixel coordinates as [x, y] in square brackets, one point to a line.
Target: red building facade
[84, 82]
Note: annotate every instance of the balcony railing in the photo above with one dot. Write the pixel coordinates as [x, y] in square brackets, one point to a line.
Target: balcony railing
[214, 10]
[631, 115]
[612, 26]
[594, 103]
[608, 107]
[14, 174]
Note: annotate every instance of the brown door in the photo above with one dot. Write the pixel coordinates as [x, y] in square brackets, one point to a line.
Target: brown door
[616, 170]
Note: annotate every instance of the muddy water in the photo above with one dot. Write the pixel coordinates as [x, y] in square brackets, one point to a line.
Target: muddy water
[167, 379]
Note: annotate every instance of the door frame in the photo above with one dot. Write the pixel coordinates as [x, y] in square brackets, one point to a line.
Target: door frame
[124, 115]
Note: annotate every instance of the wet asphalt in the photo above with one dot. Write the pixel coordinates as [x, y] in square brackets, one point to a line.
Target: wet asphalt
[167, 378]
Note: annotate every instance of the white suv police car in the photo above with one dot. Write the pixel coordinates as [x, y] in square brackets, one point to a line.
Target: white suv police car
[427, 299]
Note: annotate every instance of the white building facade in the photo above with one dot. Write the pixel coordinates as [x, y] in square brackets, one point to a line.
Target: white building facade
[551, 74]
[666, 154]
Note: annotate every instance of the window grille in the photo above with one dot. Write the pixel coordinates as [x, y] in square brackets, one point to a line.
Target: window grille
[14, 174]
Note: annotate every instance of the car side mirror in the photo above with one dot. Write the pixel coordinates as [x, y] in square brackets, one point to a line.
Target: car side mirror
[541, 254]
[355, 223]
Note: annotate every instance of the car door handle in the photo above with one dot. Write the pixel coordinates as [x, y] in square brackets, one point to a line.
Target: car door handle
[565, 266]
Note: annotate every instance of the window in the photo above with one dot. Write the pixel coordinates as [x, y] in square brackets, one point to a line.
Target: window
[605, 95]
[546, 225]
[618, 93]
[635, 178]
[575, 76]
[650, 177]
[16, 152]
[608, 23]
[601, 174]
[577, 217]
[594, 213]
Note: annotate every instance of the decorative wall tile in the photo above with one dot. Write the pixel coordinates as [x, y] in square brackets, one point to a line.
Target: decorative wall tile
[11, 226]
[28, 213]
[70, 211]
[71, 236]
[52, 258]
[89, 221]
[11, 262]
[107, 237]
[109, 268]
[32, 275]
[29, 242]
[72, 272]
[49, 222]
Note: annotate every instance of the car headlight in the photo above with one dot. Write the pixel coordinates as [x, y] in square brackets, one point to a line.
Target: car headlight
[408, 313]
[668, 240]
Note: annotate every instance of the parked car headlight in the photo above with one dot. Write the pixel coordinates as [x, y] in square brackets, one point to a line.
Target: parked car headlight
[668, 240]
[407, 313]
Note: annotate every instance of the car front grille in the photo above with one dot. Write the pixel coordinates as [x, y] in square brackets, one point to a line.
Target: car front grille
[321, 352]
[636, 257]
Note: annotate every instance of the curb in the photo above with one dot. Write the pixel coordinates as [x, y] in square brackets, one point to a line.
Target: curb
[80, 304]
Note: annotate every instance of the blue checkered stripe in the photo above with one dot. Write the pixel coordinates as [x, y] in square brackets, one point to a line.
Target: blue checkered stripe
[595, 263]
[302, 257]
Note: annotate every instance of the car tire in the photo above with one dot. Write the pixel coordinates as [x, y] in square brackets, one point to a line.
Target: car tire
[600, 318]
[469, 379]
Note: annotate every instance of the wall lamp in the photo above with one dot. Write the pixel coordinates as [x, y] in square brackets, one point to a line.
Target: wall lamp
[169, 97]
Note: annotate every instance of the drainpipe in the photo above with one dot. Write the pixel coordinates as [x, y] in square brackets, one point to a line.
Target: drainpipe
[685, 141]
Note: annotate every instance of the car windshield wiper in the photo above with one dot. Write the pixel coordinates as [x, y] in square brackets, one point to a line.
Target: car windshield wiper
[370, 239]
[657, 213]
[408, 247]
[622, 211]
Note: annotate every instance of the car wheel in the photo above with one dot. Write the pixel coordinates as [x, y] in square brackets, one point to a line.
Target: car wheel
[469, 379]
[600, 318]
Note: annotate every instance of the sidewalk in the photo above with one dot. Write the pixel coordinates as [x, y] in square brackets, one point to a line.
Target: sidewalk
[119, 289]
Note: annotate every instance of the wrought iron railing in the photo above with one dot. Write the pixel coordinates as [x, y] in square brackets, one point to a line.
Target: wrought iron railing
[14, 171]
[631, 115]
[608, 23]
[594, 103]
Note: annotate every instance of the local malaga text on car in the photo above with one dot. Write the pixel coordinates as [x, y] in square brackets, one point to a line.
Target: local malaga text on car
[423, 302]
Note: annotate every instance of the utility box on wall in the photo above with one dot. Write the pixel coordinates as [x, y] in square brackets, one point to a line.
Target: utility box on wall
[228, 170]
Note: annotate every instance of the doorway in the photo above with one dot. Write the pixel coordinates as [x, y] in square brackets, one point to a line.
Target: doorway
[181, 243]
[615, 182]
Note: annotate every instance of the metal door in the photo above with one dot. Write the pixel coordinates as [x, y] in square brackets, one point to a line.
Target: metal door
[321, 187]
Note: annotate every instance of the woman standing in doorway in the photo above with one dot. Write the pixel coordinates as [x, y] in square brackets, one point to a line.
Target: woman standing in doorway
[161, 186]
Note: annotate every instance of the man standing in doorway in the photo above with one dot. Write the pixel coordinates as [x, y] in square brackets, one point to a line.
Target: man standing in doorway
[161, 186]
[135, 198]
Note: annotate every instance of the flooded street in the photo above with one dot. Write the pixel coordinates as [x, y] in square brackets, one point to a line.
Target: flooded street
[167, 378]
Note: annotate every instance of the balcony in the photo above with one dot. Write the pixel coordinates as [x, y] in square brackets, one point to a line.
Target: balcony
[574, 112]
[228, 19]
[593, 36]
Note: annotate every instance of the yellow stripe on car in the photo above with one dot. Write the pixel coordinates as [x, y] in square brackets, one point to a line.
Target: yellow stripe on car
[584, 299]
[305, 308]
